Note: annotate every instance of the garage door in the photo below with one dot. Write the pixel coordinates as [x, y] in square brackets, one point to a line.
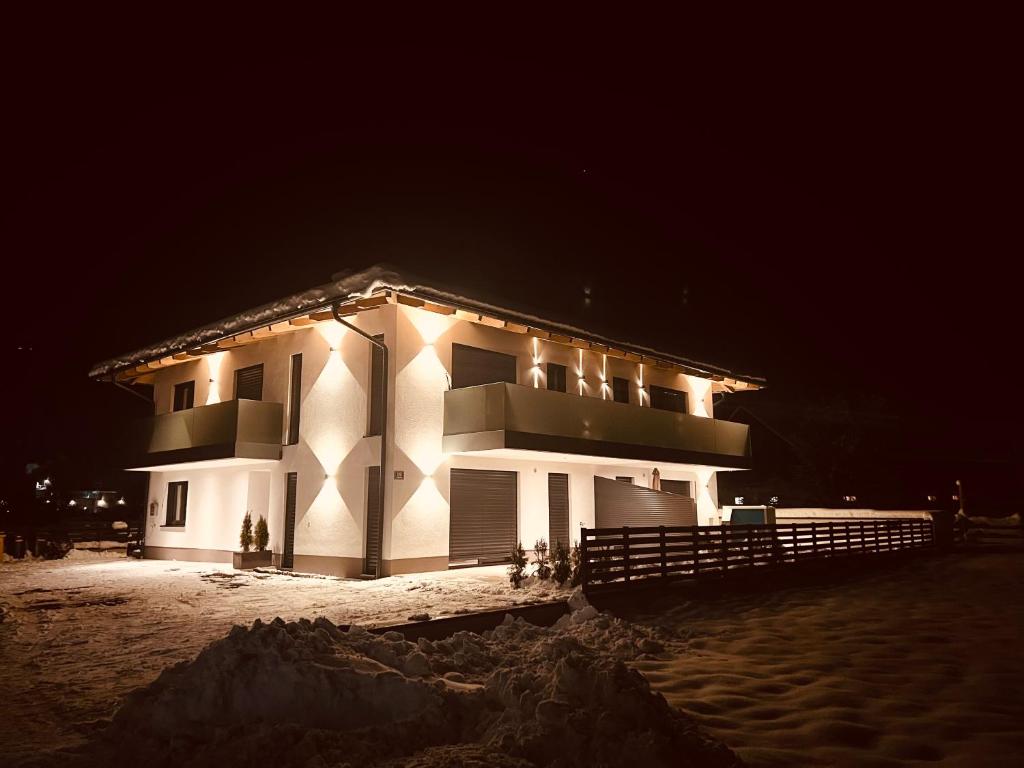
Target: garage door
[483, 515]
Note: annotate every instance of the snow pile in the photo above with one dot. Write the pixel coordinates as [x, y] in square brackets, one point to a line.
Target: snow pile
[310, 694]
[105, 553]
[1010, 521]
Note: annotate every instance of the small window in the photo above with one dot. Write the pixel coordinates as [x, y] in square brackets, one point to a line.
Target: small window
[295, 400]
[177, 502]
[625, 480]
[667, 399]
[620, 390]
[184, 395]
[556, 377]
[376, 415]
[249, 383]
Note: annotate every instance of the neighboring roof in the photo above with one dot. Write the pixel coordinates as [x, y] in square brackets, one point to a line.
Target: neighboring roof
[371, 282]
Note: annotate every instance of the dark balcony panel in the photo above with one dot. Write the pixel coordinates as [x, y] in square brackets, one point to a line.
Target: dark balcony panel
[242, 429]
[511, 416]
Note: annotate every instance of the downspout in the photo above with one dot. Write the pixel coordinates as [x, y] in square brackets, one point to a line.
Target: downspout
[383, 427]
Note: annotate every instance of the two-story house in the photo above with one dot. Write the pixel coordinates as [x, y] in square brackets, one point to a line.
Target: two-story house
[385, 425]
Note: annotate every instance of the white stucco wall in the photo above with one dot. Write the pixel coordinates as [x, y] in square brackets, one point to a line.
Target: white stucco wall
[333, 454]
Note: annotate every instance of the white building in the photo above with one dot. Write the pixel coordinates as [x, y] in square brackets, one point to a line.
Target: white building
[496, 427]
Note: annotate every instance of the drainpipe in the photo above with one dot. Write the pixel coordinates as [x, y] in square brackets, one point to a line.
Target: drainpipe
[383, 427]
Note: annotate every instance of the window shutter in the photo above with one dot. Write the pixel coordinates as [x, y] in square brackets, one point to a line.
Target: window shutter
[249, 383]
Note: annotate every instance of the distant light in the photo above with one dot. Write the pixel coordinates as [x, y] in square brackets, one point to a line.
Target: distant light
[72, 503]
[773, 500]
[932, 498]
[737, 500]
[121, 501]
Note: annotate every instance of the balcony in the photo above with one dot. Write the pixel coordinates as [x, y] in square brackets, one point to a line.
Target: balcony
[509, 416]
[235, 431]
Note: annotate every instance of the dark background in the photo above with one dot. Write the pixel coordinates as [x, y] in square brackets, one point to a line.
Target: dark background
[836, 211]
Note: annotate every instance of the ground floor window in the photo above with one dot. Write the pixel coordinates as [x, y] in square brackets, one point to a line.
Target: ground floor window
[177, 501]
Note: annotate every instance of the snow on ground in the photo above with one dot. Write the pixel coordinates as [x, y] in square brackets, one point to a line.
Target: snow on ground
[917, 665]
[78, 634]
[309, 694]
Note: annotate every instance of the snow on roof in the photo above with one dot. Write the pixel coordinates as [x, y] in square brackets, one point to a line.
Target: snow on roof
[346, 287]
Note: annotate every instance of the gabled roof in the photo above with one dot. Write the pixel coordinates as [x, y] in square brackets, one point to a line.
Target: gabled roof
[370, 288]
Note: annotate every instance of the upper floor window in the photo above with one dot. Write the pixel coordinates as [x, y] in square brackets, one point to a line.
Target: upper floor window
[620, 389]
[376, 415]
[624, 479]
[249, 383]
[177, 502]
[184, 395]
[294, 399]
[668, 399]
[472, 366]
[556, 377]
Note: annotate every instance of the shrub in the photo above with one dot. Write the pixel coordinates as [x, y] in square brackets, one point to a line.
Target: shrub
[576, 576]
[561, 566]
[245, 537]
[262, 534]
[540, 559]
[517, 571]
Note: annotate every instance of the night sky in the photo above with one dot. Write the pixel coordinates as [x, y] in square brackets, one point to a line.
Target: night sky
[836, 215]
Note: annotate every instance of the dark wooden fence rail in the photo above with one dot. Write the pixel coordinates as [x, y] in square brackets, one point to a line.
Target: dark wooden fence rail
[617, 558]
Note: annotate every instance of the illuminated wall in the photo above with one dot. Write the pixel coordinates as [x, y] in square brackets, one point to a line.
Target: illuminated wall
[333, 453]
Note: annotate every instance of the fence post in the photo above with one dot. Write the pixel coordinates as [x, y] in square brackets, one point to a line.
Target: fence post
[901, 528]
[750, 546]
[696, 551]
[814, 538]
[584, 570]
[878, 538]
[625, 553]
[831, 538]
[796, 544]
[664, 555]
[888, 535]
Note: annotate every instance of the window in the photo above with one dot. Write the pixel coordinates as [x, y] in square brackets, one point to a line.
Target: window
[376, 415]
[177, 502]
[294, 400]
[184, 395]
[556, 377]
[249, 383]
[625, 480]
[472, 367]
[668, 399]
[620, 390]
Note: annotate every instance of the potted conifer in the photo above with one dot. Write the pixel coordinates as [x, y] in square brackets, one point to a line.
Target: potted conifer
[262, 557]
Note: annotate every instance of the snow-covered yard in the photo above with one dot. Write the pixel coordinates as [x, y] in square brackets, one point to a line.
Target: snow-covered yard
[918, 665]
[79, 634]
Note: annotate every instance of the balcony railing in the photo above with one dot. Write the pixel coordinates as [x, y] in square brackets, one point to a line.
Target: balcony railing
[503, 415]
[243, 429]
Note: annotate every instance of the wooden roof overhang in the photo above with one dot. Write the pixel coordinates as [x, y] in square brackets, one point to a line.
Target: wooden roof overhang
[428, 300]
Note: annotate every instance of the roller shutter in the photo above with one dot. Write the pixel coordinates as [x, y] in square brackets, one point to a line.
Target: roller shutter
[472, 367]
[483, 515]
[678, 487]
[620, 504]
[249, 383]
[288, 556]
[558, 509]
[373, 522]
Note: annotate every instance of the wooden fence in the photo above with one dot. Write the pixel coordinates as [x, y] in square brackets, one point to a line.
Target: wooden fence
[618, 558]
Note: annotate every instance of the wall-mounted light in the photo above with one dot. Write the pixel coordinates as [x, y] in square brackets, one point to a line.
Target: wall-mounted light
[121, 502]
